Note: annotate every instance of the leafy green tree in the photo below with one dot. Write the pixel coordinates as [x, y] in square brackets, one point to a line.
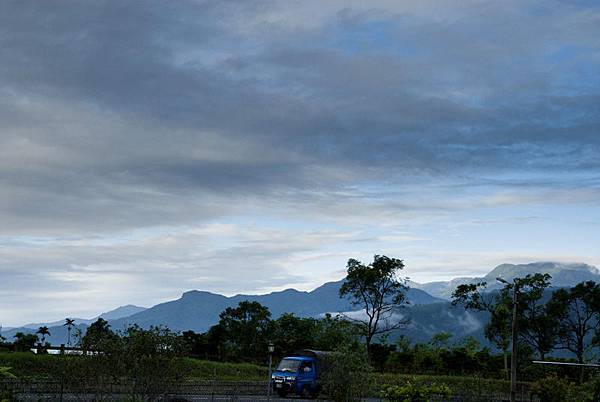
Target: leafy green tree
[333, 331]
[379, 354]
[377, 289]
[98, 336]
[155, 341]
[43, 332]
[24, 342]
[195, 345]
[499, 305]
[217, 339]
[246, 329]
[290, 333]
[538, 324]
[577, 310]
[441, 340]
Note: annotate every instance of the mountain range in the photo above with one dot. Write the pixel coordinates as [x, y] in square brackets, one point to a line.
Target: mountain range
[429, 310]
[119, 312]
[563, 275]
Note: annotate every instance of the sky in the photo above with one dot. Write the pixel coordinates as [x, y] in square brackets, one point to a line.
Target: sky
[150, 148]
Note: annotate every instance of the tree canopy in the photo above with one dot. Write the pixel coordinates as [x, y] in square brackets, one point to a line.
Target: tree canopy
[378, 290]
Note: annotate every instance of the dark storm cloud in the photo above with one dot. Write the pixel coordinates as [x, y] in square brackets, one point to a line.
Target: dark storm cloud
[160, 112]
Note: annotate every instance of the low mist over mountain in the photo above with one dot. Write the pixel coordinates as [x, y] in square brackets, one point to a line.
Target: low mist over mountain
[198, 310]
[563, 275]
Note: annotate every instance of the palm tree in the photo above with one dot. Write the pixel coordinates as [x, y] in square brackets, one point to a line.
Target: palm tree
[78, 336]
[43, 331]
[69, 323]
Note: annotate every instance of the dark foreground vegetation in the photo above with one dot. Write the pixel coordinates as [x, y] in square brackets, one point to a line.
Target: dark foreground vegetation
[150, 364]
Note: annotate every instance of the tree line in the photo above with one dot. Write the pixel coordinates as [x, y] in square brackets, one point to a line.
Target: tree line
[564, 319]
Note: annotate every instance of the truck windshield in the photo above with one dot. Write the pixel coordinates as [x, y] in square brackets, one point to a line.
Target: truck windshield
[289, 365]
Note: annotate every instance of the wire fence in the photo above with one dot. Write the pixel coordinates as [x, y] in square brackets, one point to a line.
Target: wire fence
[197, 390]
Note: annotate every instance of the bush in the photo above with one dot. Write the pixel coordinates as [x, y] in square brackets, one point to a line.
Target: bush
[5, 372]
[413, 392]
[29, 365]
[7, 396]
[348, 377]
[556, 389]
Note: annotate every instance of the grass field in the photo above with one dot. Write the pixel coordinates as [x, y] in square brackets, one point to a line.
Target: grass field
[28, 365]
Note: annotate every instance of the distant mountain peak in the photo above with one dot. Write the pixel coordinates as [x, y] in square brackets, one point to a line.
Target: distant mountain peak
[510, 271]
[121, 312]
[201, 294]
[563, 274]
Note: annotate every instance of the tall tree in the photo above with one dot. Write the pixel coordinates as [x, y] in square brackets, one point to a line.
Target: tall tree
[378, 290]
[69, 323]
[246, 327]
[538, 325]
[43, 331]
[98, 336]
[577, 310]
[499, 305]
[290, 333]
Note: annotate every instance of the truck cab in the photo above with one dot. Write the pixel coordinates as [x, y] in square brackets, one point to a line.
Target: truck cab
[296, 375]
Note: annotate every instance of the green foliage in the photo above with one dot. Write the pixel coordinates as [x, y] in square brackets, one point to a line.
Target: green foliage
[537, 323]
[29, 365]
[415, 392]
[290, 333]
[377, 290]
[24, 342]
[99, 336]
[551, 389]
[558, 389]
[440, 356]
[577, 310]
[467, 387]
[245, 330]
[7, 396]
[43, 332]
[5, 372]
[331, 332]
[379, 353]
[348, 377]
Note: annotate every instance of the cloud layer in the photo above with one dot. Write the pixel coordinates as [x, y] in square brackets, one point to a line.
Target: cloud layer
[308, 132]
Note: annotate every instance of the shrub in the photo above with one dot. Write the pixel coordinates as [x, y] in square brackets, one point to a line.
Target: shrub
[5, 372]
[7, 396]
[414, 392]
[348, 377]
[556, 389]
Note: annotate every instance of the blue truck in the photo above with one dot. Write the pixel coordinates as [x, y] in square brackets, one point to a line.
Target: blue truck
[300, 374]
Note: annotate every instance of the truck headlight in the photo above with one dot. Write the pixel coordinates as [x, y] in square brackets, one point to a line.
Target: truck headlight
[290, 378]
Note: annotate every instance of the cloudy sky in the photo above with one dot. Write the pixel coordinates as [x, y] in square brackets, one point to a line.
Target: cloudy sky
[149, 148]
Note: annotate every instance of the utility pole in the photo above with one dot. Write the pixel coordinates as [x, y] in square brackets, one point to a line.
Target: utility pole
[514, 335]
[271, 350]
